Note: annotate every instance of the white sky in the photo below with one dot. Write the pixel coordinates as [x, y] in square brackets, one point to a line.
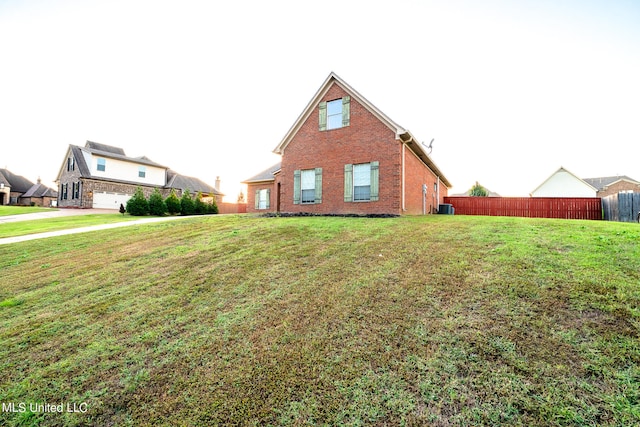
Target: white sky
[510, 90]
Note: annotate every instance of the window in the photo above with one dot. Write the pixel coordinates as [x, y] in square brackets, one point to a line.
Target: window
[76, 190]
[262, 198]
[102, 164]
[307, 186]
[335, 114]
[63, 192]
[142, 171]
[361, 182]
[70, 164]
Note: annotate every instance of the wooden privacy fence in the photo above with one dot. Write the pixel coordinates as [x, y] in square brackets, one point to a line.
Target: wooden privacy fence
[622, 207]
[531, 207]
[231, 208]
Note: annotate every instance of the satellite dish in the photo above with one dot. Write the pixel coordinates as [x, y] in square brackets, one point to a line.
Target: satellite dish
[430, 146]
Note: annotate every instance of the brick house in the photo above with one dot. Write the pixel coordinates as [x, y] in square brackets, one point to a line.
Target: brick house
[610, 185]
[18, 190]
[103, 176]
[345, 156]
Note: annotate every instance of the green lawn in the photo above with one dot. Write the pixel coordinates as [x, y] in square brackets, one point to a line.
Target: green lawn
[438, 320]
[20, 228]
[17, 210]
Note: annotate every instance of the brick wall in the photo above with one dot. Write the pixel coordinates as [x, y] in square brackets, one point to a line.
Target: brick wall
[365, 140]
[617, 187]
[417, 174]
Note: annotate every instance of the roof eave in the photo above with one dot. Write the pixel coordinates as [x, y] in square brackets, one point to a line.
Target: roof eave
[407, 138]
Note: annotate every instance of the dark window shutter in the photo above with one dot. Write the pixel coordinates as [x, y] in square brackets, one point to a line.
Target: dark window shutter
[346, 111]
[375, 174]
[348, 183]
[323, 116]
[296, 187]
[318, 195]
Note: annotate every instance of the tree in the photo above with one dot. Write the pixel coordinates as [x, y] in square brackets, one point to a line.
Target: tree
[138, 205]
[212, 207]
[199, 206]
[173, 203]
[187, 206]
[157, 205]
[241, 198]
[478, 191]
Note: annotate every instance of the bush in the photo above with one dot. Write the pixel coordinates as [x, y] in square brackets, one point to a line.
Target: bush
[212, 208]
[173, 203]
[138, 205]
[187, 206]
[157, 205]
[200, 207]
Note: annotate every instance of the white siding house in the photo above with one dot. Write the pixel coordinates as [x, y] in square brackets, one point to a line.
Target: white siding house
[563, 183]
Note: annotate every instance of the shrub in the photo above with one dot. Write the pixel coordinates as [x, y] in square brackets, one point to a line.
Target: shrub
[187, 206]
[212, 207]
[138, 205]
[173, 203]
[157, 205]
[200, 207]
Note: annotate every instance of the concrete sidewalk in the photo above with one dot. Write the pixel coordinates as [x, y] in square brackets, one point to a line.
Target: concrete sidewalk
[16, 239]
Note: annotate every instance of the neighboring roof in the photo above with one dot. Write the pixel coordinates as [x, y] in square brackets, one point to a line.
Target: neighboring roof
[265, 175]
[401, 133]
[562, 169]
[40, 190]
[194, 185]
[603, 182]
[18, 184]
[104, 147]
[117, 153]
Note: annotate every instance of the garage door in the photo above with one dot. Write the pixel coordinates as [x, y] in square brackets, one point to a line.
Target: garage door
[109, 200]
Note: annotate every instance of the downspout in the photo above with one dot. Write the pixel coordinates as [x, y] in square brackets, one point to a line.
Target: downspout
[438, 195]
[403, 183]
[404, 143]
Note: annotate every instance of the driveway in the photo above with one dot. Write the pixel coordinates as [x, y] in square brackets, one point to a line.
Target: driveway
[54, 214]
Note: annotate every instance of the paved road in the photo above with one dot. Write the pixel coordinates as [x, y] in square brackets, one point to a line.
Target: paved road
[67, 212]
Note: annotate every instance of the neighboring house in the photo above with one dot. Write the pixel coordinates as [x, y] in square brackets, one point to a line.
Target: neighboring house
[563, 183]
[18, 190]
[607, 186]
[344, 156]
[102, 176]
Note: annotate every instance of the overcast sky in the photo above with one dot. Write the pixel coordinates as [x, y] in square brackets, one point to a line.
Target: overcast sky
[510, 90]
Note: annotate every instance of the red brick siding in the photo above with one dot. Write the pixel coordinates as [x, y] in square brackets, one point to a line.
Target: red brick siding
[617, 187]
[417, 174]
[365, 140]
[251, 196]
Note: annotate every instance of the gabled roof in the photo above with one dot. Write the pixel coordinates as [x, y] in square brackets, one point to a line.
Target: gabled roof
[117, 153]
[102, 150]
[603, 182]
[562, 169]
[18, 184]
[264, 176]
[401, 133]
[194, 185]
[40, 190]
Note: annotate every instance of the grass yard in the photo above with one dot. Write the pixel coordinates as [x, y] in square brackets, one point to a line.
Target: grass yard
[21, 228]
[438, 320]
[18, 210]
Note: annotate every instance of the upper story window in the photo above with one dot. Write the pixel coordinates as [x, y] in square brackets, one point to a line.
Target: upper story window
[142, 171]
[102, 163]
[70, 164]
[335, 114]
